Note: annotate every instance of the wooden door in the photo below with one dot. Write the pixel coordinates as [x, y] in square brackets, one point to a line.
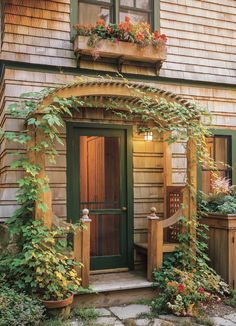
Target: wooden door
[103, 189]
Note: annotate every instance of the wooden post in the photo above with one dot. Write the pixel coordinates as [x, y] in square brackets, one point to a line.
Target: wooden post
[155, 244]
[45, 196]
[191, 197]
[167, 168]
[82, 248]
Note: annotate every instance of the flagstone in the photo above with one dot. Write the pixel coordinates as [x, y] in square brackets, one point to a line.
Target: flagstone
[130, 311]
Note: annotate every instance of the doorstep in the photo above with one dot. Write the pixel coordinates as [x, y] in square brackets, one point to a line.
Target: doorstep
[116, 288]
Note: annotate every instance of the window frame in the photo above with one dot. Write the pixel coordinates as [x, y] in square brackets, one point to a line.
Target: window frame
[231, 153]
[154, 13]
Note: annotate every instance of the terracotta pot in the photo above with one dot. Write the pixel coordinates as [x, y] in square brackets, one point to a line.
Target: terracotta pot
[59, 303]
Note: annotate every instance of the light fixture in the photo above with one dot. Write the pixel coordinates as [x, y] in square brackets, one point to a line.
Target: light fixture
[148, 136]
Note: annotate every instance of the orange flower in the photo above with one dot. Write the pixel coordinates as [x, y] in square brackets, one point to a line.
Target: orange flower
[139, 36]
[172, 283]
[101, 22]
[127, 19]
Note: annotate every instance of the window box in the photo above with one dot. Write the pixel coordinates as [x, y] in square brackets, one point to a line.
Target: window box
[121, 50]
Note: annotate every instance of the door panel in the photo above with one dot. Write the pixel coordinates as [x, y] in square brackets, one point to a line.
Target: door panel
[99, 183]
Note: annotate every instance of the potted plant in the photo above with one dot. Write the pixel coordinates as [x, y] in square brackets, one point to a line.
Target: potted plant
[218, 210]
[131, 41]
[41, 267]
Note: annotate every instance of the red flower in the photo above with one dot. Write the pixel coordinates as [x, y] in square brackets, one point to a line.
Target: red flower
[201, 290]
[163, 38]
[139, 36]
[155, 35]
[181, 287]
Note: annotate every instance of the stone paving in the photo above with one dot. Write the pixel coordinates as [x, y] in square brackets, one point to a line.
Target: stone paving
[135, 315]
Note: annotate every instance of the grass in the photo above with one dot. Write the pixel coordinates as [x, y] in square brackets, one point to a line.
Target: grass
[55, 322]
[85, 314]
[204, 320]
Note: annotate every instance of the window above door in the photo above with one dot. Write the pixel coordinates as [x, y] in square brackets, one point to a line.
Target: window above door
[115, 11]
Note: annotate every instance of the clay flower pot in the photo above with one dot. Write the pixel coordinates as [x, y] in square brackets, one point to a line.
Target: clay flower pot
[59, 303]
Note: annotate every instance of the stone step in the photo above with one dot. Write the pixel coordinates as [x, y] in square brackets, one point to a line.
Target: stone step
[116, 289]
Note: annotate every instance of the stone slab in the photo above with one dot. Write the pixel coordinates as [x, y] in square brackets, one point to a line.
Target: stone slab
[103, 312]
[161, 322]
[142, 322]
[130, 311]
[231, 317]
[223, 322]
[106, 321]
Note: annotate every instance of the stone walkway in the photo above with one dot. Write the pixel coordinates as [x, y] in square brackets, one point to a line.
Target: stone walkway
[131, 315]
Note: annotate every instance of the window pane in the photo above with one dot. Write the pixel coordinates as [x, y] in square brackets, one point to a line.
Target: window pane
[143, 4]
[134, 16]
[127, 3]
[90, 13]
[221, 152]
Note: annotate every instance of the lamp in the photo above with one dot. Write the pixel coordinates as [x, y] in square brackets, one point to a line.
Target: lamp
[148, 136]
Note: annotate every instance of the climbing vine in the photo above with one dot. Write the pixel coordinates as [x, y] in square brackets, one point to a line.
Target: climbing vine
[149, 109]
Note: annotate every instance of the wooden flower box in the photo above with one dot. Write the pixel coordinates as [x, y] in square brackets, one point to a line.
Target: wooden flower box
[222, 245]
[124, 51]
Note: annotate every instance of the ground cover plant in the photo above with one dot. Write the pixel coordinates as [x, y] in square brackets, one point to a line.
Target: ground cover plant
[19, 309]
[186, 281]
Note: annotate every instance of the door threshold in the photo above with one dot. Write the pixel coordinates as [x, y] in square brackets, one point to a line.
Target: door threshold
[107, 271]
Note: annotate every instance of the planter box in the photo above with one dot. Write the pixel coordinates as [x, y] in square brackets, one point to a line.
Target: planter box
[121, 50]
[222, 245]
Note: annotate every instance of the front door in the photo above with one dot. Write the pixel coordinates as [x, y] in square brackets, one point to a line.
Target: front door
[98, 173]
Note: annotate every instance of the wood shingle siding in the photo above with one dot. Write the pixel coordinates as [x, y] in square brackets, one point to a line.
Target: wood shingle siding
[201, 38]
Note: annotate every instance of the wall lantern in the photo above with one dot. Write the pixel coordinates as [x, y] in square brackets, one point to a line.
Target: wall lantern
[148, 136]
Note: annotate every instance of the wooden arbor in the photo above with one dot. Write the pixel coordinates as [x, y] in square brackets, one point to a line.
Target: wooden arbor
[123, 92]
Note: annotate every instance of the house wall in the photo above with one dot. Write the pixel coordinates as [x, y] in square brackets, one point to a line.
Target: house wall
[201, 38]
[201, 50]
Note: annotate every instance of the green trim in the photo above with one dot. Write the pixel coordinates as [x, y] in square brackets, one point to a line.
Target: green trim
[73, 17]
[95, 73]
[74, 131]
[232, 153]
[157, 16]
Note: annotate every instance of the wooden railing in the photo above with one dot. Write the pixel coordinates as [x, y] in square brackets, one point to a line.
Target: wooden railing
[174, 199]
[156, 246]
[82, 248]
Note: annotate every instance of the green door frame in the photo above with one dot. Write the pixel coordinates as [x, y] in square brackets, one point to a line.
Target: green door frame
[223, 132]
[73, 204]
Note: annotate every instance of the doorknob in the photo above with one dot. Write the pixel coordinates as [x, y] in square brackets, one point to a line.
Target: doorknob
[124, 209]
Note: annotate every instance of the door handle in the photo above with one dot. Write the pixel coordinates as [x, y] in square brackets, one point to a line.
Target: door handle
[124, 209]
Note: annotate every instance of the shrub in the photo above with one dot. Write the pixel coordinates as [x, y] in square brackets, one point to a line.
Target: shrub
[41, 268]
[19, 309]
[185, 279]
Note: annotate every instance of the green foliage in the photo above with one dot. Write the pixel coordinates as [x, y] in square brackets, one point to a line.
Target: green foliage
[55, 322]
[203, 319]
[185, 279]
[41, 268]
[18, 309]
[231, 300]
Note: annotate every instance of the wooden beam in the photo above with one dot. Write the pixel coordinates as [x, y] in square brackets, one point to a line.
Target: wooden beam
[155, 244]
